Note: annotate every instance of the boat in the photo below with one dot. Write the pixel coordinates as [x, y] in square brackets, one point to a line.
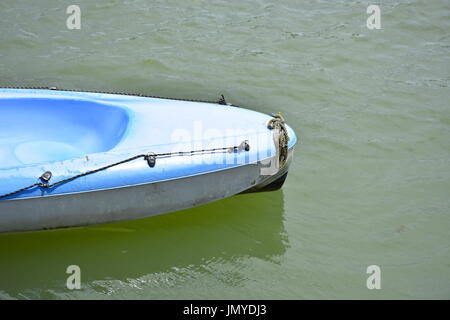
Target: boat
[72, 158]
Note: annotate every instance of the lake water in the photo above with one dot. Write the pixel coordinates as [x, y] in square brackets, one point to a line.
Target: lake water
[369, 185]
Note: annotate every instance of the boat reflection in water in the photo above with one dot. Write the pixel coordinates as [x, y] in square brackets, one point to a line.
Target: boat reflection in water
[180, 244]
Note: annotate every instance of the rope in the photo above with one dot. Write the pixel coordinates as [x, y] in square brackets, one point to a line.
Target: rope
[281, 137]
[149, 157]
[220, 101]
[21, 190]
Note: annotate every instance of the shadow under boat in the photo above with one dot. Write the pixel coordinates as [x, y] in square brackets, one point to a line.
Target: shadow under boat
[34, 263]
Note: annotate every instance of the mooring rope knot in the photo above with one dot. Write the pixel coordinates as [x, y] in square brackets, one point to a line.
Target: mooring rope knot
[281, 137]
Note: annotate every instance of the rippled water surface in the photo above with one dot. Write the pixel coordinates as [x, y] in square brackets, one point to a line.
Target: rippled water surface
[370, 182]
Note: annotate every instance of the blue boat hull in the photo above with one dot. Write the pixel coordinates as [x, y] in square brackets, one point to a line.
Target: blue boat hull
[71, 133]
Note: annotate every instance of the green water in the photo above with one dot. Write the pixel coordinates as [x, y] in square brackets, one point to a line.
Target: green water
[370, 182]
